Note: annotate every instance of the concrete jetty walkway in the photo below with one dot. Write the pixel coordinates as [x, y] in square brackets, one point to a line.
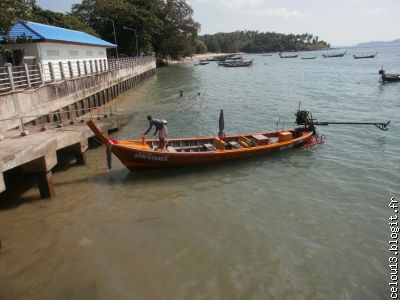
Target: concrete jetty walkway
[37, 152]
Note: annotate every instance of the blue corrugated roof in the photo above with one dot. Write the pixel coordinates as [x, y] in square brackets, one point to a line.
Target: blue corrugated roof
[38, 31]
[19, 30]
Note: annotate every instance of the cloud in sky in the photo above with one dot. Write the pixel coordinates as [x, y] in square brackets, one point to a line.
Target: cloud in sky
[255, 7]
[275, 12]
[374, 11]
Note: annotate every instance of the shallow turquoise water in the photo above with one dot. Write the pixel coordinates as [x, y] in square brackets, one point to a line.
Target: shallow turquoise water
[304, 224]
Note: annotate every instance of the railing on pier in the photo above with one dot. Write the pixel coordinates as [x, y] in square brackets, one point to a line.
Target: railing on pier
[15, 78]
[62, 118]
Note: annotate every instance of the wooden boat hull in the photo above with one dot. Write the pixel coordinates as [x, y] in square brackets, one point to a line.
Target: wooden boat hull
[334, 55]
[137, 156]
[291, 56]
[391, 78]
[366, 56]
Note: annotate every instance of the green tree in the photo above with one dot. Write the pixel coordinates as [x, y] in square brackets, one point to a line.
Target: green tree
[256, 42]
[61, 20]
[179, 27]
[139, 15]
[200, 46]
[10, 12]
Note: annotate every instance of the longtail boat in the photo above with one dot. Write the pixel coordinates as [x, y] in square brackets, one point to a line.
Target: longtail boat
[389, 77]
[334, 54]
[365, 56]
[309, 57]
[234, 64]
[288, 55]
[185, 152]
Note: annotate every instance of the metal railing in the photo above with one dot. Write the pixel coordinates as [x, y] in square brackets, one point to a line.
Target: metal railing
[62, 118]
[15, 78]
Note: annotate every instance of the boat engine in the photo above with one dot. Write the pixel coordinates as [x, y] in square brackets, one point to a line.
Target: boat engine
[304, 117]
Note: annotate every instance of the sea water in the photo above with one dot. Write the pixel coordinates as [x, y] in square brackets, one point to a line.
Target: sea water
[301, 224]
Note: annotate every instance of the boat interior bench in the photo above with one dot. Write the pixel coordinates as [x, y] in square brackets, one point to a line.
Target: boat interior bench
[245, 142]
[209, 147]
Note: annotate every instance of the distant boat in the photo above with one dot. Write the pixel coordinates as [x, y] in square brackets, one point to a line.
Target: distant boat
[287, 56]
[234, 64]
[389, 77]
[310, 57]
[266, 54]
[334, 54]
[203, 63]
[365, 56]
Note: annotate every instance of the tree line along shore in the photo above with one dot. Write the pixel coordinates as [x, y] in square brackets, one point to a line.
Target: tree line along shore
[164, 27]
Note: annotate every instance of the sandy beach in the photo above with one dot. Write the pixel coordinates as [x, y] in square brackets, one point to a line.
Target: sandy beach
[198, 57]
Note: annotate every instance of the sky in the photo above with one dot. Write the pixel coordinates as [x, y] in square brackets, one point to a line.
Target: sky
[338, 22]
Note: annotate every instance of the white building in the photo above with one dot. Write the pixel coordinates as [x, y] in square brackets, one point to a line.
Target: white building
[46, 44]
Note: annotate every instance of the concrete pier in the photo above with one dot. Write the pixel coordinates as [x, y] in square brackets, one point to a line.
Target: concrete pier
[37, 152]
[70, 97]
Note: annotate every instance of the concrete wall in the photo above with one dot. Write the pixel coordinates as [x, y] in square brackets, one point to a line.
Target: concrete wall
[55, 96]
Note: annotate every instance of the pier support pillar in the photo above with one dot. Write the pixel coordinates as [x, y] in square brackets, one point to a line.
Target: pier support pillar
[45, 184]
[2, 184]
[80, 157]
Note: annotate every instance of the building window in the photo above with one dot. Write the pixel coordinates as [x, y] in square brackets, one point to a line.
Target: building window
[89, 53]
[52, 53]
[73, 53]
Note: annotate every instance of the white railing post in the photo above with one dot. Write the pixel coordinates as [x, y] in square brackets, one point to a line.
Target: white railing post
[10, 76]
[60, 65]
[28, 80]
[96, 66]
[52, 73]
[78, 67]
[41, 73]
[71, 72]
[91, 66]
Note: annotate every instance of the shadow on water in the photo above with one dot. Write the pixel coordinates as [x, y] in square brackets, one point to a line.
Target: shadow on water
[17, 184]
[235, 170]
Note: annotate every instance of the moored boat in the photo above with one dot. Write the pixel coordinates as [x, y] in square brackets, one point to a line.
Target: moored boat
[237, 63]
[288, 55]
[334, 54]
[309, 57]
[186, 152]
[389, 77]
[365, 56]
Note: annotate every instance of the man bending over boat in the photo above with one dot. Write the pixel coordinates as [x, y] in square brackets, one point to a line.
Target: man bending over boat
[161, 128]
